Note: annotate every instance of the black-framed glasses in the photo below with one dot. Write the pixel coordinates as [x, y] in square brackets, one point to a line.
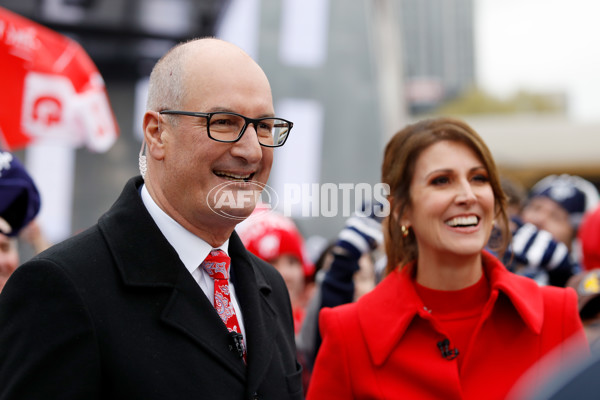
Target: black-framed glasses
[228, 127]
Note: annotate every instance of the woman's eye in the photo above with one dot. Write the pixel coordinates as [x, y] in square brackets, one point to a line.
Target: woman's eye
[481, 178]
[440, 180]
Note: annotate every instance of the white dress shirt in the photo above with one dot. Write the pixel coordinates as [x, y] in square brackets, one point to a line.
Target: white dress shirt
[192, 251]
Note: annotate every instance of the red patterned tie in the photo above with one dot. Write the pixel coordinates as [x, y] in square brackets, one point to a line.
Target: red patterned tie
[216, 265]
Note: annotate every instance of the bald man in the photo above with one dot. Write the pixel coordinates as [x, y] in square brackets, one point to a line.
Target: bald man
[130, 309]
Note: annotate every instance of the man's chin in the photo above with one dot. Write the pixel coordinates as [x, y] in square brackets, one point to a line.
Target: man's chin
[235, 200]
[236, 214]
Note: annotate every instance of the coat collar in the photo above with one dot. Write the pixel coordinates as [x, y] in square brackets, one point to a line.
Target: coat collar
[145, 259]
[399, 304]
[139, 249]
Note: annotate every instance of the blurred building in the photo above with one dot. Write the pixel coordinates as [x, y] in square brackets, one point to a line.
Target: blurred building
[439, 50]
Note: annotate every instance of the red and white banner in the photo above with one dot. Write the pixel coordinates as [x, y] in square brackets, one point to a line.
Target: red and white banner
[51, 89]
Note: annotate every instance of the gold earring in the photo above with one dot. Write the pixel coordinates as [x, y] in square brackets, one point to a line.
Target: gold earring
[404, 230]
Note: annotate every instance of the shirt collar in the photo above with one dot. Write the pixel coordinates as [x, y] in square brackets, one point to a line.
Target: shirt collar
[191, 249]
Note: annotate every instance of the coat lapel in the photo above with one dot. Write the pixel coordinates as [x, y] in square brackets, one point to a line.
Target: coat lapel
[190, 312]
[253, 293]
[144, 258]
[521, 291]
[385, 314]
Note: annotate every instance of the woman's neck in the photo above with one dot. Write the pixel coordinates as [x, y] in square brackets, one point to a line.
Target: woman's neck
[448, 271]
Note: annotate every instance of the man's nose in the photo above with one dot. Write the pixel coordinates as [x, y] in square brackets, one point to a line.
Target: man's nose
[248, 146]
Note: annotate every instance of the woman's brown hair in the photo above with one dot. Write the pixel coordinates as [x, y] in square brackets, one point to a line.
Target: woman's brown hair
[400, 156]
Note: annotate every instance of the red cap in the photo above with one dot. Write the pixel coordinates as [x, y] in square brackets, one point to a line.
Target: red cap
[269, 235]
[589, 237]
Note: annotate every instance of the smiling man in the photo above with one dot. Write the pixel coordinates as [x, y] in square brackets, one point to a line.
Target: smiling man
[160, 299]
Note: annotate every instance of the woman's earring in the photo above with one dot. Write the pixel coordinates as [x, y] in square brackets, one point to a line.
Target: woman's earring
[404, 230]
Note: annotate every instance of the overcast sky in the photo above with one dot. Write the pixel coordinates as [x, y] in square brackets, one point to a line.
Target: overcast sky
[542, 45]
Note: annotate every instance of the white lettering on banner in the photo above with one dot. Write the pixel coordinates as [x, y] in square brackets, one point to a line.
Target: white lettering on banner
[46, 111]
[53, 110]
[93, 110]
[24, 40]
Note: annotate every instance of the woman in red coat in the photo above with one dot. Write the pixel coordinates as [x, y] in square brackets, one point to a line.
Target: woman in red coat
[449, 321]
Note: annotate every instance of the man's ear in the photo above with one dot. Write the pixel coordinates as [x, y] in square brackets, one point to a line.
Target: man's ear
[153, 134]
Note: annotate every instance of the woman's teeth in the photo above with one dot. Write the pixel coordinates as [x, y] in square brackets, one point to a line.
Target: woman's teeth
[463, 221]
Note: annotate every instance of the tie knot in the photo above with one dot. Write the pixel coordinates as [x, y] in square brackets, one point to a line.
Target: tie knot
[216, 264]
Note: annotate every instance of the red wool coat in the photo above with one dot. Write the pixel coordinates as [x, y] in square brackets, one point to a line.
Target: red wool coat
[385, 345]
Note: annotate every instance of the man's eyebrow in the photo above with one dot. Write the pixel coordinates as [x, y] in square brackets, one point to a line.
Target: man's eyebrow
[225, 109]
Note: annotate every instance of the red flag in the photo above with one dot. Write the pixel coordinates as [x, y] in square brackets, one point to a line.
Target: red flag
[51, 89]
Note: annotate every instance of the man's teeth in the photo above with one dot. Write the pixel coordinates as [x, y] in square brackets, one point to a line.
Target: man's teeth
[463, 221]
[233, 176]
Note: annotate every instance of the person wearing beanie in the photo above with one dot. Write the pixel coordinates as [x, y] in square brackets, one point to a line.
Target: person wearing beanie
[544, 241]
[19, 204]
[19, 196]
[557, 204]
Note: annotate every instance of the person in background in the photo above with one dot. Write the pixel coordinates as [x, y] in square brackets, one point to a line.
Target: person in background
[276, 239]
[32, 235]
[533, 252]
[582, 382]
[587, 286]
[160, 299]
[544, 245]
[19, 205]
[449, 320]
[9, 258]
[352, 271]
[347, 272]
[587, 282]
[588, 237]
[557, 203]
